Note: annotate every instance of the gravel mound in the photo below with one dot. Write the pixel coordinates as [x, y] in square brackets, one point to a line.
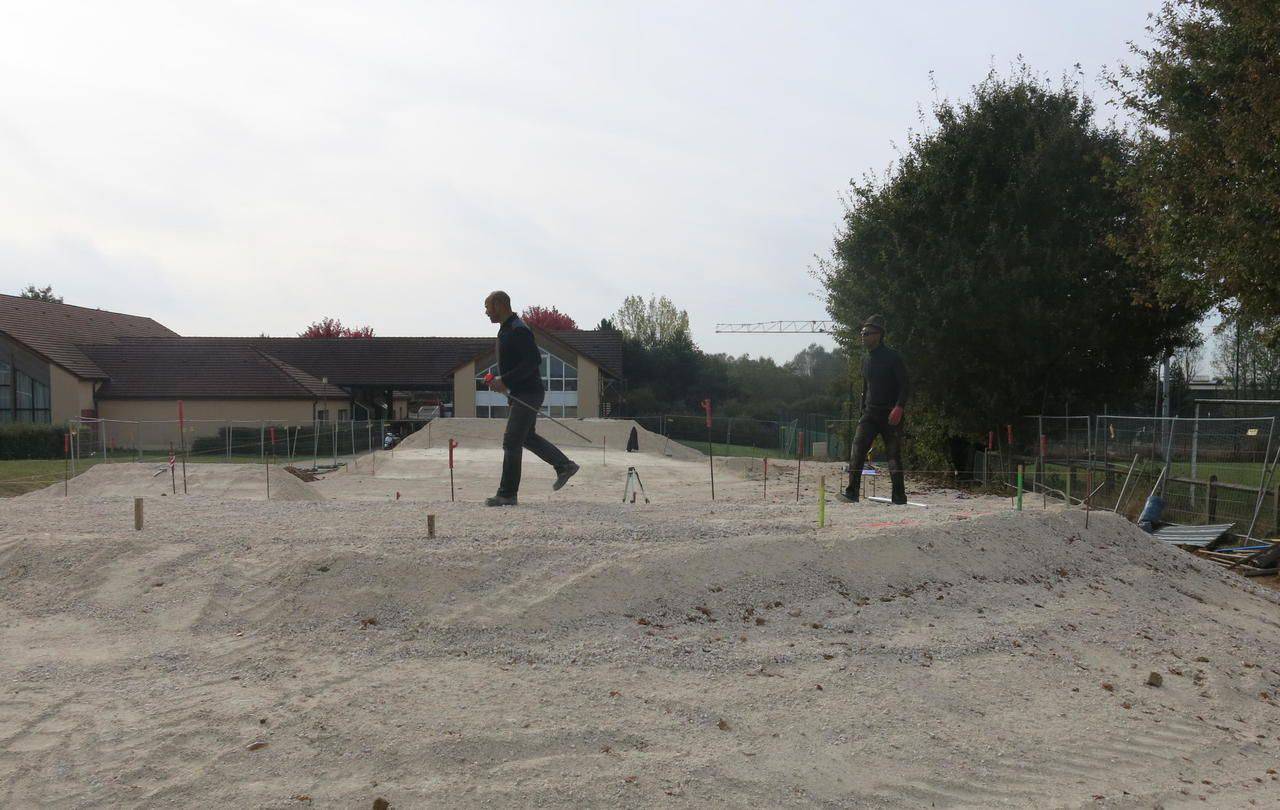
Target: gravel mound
[589, 654]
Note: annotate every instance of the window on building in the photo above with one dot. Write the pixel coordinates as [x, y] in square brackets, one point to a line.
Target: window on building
[322, 415]
[6, 392]
[23, 397]
[40, 402]
[557, 375]
[342, 414]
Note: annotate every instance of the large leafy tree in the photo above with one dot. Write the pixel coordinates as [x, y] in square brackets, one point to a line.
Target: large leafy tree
[987, 249]
[549, 318]
[652, 323]
[41, 294]
[1207, 172]
[333, 328]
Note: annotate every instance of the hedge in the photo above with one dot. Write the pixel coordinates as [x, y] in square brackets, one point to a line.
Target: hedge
[26, 440]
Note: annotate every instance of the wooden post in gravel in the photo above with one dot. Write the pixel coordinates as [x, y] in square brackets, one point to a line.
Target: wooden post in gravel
[137, 514]
[431, 525]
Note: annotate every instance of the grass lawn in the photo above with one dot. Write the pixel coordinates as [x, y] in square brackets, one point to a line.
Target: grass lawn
[22, 476]
[1244, 473]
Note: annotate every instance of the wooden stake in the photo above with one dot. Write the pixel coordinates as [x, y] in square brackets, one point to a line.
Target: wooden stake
[1020, 474]
[822, 501]
[431, 525]
[137, 514]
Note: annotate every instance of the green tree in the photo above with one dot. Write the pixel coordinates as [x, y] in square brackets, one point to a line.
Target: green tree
[1207, 169]
[41, 294]
[987, 250]
[652, 323]
[1248, 357]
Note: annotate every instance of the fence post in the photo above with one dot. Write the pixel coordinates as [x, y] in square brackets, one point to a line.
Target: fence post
[1212, 503]
[230, 430]
[102, 434]
[262, 446]
[1275, 508]
[137, 431]
[1195, 452]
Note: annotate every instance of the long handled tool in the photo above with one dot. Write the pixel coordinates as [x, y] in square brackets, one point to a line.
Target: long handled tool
[488, 378]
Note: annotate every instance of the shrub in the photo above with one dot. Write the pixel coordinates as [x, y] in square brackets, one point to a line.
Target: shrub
[25, 440]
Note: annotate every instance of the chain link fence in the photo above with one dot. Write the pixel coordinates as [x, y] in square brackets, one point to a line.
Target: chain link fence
[1206, 469]
[315, 445]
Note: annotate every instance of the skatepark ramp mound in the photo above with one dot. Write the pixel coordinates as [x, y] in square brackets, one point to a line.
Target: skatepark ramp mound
[610, 433]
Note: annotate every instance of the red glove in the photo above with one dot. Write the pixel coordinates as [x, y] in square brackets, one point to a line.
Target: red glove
[895, 415]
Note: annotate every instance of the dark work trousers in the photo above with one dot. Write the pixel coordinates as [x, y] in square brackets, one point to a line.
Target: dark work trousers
[521, 434]
[875, 422]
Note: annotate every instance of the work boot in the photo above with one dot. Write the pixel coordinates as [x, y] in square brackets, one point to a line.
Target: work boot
[899, 488]
[564, 475]
[500, 500]
[850, 494]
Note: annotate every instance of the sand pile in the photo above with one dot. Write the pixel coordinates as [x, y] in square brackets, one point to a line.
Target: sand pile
[488, 433]
[584, 654]
[134, 480]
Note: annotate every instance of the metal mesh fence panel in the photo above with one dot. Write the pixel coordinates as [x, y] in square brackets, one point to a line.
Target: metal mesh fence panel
[314, 444]
[1207, 470]
[728, 435]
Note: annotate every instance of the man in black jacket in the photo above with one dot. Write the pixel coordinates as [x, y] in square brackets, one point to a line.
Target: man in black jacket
[884, 396]
[520, 377]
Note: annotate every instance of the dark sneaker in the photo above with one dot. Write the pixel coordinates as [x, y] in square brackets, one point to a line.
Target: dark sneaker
[564, 476]
[500, 500]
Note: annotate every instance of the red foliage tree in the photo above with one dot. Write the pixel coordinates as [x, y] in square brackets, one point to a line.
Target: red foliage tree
[548, 318]
[333, 328]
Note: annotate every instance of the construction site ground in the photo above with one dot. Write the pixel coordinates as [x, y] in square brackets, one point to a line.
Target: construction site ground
[321, 649]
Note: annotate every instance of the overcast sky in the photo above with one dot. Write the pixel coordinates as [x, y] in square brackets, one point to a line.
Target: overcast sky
[238, 168]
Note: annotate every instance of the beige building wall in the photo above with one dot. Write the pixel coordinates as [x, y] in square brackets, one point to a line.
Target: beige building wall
[464, 386]
[156, 419]
[464, 391]
[588, 387]
[69, 395]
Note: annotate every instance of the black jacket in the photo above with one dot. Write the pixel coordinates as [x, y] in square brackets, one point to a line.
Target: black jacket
[519, 361]
[884, 379]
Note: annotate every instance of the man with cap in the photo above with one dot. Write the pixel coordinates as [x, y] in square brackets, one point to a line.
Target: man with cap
[520, 378]
[884, 396]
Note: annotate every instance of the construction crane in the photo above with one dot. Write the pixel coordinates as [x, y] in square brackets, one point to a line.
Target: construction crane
[778, 327]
